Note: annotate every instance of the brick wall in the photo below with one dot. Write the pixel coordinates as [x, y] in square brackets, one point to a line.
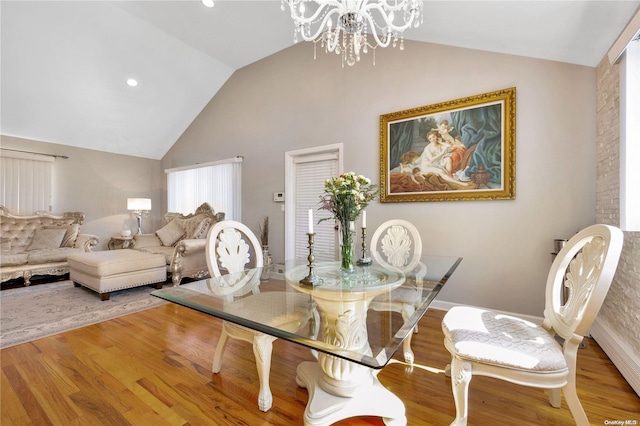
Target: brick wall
[621, 309]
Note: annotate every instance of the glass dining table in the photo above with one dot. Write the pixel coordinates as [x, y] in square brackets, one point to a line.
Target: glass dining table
[348, 320]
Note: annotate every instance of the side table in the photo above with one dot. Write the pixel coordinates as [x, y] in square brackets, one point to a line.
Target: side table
[118, 242]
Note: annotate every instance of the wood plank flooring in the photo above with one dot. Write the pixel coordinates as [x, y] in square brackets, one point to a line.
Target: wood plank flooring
[154, 368]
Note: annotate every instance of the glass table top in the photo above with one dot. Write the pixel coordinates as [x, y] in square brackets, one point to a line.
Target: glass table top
[331, 314]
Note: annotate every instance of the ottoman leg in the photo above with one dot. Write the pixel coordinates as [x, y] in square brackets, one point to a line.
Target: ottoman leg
[105, 296]
[159, 285]
[75, 284]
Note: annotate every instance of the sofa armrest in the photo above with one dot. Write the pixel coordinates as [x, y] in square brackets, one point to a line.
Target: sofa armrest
[86, 242]
[189, 253]
[187, 247]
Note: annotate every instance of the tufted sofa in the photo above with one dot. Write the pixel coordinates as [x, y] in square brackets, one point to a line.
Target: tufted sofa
[182, 241]
[40, 243]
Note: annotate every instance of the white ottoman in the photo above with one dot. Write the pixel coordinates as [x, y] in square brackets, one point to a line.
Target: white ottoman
[107, 271]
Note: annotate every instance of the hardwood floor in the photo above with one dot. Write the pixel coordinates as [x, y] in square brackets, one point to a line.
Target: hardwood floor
[154, 368]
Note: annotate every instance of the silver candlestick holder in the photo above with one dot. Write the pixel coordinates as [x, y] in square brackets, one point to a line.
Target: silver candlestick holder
[364, 260]
[311, 279]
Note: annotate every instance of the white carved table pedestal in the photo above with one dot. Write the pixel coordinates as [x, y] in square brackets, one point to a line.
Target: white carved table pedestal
[339, 389]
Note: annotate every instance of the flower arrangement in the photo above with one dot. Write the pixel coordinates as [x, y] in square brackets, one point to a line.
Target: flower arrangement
[345, 197]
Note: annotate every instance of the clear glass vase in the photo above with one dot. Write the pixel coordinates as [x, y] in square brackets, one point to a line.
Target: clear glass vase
[267, 264]
[347, 247]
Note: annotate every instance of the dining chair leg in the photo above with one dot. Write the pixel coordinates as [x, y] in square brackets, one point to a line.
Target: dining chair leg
[460, 378]
[555, 397]
[262, 348]
[406, 349]
[217, 357]
[571, 396]
[407, 312]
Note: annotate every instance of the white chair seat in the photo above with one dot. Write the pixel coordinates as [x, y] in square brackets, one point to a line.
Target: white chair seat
[497, 339]
[406, 295]
[269, 309]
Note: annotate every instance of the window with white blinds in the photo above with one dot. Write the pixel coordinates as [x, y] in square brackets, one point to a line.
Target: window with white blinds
[218, 183]
[310, 173]
[25, 182]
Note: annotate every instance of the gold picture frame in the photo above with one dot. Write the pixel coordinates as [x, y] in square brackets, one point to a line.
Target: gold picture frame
[459, 150]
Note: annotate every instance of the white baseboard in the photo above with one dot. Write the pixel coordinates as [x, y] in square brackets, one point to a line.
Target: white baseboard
[618, 351]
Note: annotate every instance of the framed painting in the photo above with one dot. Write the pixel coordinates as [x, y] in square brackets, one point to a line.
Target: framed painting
[462, 149]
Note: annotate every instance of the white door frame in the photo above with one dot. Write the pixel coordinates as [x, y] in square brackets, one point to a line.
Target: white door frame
[290, 158]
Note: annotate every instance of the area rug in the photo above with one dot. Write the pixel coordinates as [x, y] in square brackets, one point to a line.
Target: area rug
[42, 310]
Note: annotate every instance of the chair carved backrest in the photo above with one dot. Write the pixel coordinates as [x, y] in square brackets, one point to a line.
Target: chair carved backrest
[586, 266]
[229, 245]
[396, 244]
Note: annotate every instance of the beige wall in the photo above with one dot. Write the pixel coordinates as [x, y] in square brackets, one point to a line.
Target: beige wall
[98, 184]
[289, 101]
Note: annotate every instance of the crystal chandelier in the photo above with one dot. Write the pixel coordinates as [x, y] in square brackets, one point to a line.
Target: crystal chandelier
[344, 26]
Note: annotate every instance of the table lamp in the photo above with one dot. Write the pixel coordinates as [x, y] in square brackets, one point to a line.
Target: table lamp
[139, 207]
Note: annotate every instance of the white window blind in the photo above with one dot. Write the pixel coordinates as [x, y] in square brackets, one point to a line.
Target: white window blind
[25, 182]
[311, 172]
[218, 183]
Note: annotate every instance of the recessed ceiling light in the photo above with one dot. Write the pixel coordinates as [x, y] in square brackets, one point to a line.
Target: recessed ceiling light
[208, 3]
[132, 82]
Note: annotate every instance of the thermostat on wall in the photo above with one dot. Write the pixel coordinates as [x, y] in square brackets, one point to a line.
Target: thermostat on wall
[278, 197]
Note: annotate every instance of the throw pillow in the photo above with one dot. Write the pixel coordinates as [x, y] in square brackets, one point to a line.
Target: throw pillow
[202, 229]
[146, 240]
[193, 225]
[70, 235]
[46, 239]
[170, 233]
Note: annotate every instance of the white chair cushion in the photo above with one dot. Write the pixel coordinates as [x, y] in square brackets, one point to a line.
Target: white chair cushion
[502, 340]
[400, 295]
[286, 311]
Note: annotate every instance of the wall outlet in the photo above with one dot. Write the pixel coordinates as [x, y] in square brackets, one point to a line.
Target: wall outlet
[278, 268]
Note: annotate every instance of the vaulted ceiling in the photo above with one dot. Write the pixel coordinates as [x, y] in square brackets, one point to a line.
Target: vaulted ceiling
[64, 63]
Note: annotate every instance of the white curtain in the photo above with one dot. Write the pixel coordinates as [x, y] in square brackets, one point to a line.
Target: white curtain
[25, 182]
[218, 183]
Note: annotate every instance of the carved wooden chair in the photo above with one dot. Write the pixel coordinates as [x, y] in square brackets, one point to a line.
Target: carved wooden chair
[487, 343]
[396, 244]
[230, 246]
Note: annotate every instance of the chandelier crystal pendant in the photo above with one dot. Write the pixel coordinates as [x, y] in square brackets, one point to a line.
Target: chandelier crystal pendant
[344, 26]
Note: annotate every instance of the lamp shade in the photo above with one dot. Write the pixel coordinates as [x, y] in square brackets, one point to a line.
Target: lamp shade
[139, 204]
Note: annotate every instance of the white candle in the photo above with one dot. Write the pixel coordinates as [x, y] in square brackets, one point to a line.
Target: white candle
[311, 221]
[364, 218]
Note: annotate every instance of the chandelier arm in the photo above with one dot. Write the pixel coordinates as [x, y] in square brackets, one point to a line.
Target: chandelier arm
[332, 39]
[321, 28]
[301, 19]
[397, 6]
[390, 24]
[381, 43]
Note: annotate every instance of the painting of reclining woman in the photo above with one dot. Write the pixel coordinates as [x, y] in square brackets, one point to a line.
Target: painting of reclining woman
[464, 150]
